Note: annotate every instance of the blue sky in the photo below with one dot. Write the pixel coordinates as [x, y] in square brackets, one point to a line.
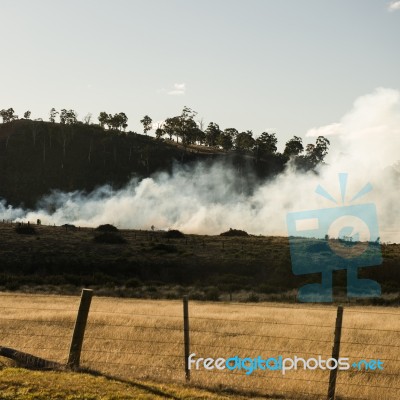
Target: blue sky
[282, 66]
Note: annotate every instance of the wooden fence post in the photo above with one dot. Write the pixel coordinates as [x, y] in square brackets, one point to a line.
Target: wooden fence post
[79, 329]
[186, 336]
[335, 353]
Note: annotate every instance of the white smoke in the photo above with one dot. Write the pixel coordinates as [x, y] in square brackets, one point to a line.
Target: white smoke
[210, 200]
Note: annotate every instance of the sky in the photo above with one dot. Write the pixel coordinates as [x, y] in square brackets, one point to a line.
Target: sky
[284, 66]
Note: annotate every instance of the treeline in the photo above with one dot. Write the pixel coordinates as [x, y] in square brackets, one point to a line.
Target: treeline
[185, 129]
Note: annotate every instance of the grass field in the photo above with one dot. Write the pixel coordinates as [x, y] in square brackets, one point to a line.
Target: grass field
[22, 384]
[149, 265]
[143, 340]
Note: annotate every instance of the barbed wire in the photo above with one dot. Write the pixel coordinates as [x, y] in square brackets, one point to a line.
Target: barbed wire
[370, 329]
[370, 344]
[254, 349]
[371, 312]
[29, 334]
[195, 318]
[368, 386]
[294, 307]
[257, 335]
[51, 322]
[39, 308]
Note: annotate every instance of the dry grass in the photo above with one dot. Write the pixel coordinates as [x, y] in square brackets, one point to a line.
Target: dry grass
[22, 384]
[143, 339]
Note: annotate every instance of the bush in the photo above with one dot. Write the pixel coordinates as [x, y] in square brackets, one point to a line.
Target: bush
[133, 283]
[212, 294]
[253, 298]
[109, 238]
[234, 232]
[166, 248]
[69, 227]
[174, 234]
[107, 228]
[25, 230]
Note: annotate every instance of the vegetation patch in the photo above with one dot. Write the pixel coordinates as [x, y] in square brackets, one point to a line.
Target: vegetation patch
[165, 248]
[69, 227]
[234, 232]
[174, 234]
[107, 228]
[109, 238]
[21, 384]
[25, 230]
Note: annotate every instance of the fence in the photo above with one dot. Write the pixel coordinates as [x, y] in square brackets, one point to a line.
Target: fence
[148, 339]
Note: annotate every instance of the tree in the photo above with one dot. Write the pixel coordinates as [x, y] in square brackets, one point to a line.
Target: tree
[53, 115]
[147, 123]
[68, 117]
[103, 119]
[8, 115]
[185, 126]
[118, 121]
[171, 127]
[321, 148]
[244, 141]
[212, 134]
[226, 138]
[159, 132]
[123, 121]
[293, 147]
[266, 144]
[200, 136]
[27, 114]
[316, 153]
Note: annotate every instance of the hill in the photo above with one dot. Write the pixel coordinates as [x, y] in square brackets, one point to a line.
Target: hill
[37, 157]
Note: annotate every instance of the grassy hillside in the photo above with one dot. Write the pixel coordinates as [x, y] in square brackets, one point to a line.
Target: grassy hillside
[148, 264]
[37, 156]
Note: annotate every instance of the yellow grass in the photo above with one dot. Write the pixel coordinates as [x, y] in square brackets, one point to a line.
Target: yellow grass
[143, 339]
[22, 384]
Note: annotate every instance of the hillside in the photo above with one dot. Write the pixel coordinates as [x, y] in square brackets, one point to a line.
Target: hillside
[37, 157]
[151, 265]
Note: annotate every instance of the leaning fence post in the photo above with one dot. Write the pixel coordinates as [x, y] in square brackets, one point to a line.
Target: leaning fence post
[79, 329]
[335, 353]
[186, 336]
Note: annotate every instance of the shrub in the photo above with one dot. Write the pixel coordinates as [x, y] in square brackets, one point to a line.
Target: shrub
[109, 238]
[25, 230]
[212, 294]
[174, 234]
[107, 228]
[69, 227]
[133, 283]
[318, 247]
[234, 232]
[166, 248]
[253, 298]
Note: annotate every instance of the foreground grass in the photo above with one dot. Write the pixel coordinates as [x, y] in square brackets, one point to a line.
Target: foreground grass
[22, 384]
[142, 340]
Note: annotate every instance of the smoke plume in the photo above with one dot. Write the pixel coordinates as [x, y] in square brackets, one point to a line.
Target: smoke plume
[209, 200]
